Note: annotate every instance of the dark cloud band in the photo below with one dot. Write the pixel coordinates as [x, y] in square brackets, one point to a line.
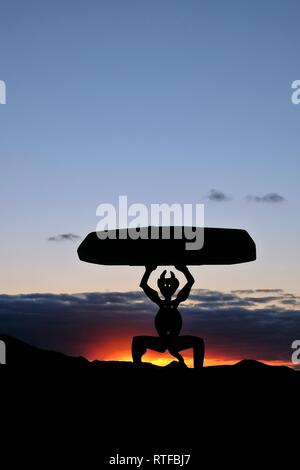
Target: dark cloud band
[259, 324]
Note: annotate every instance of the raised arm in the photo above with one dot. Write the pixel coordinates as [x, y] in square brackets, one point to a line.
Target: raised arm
[185, 291]
[151, 293]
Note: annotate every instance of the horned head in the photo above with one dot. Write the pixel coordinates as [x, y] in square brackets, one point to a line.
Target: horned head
[167, 285]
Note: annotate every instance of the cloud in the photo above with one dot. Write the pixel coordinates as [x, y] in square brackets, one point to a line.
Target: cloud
[64, 237]
[217, 196]
[252, 291]
[93, 324]
[268, 198]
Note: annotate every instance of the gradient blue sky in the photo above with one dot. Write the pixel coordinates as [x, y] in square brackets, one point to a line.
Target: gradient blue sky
[158, 100]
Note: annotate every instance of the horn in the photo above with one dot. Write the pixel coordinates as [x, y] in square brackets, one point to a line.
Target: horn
[172, 275]
[163, 275]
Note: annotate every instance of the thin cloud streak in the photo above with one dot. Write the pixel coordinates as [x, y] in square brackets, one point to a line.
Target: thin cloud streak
[64, 237]
[269, 198]
[216, 195]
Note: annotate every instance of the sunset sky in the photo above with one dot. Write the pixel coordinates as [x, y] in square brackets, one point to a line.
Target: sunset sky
[162, 101]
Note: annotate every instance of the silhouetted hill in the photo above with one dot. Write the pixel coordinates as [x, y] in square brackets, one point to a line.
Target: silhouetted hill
[217, 414]
[21, 354]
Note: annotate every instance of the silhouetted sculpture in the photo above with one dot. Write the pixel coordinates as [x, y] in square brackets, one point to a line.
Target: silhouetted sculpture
[221, 246]
[122, 247]
[168, 321]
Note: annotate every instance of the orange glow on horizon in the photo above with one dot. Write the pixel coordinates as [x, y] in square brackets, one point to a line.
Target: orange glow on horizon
[123, 353]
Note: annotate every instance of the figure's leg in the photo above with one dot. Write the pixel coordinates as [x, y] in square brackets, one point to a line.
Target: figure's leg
[176, 354]
[168, 327]
[140, 344]
[172, 343]
[138, 349]
[199, 351]
[190, 342]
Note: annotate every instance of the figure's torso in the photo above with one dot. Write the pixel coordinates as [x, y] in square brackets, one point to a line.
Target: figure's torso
[168, 320]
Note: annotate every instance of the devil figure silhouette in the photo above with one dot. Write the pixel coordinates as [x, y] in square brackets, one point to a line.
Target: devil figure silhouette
[168, 321]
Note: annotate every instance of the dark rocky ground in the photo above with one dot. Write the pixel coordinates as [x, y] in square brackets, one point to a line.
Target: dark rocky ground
[67, 411]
